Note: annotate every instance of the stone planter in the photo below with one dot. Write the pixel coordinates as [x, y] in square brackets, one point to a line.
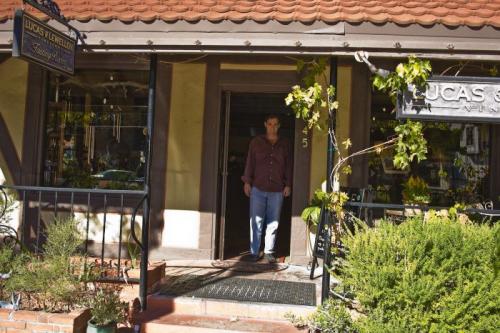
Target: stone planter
[39, 321]
[156, 271]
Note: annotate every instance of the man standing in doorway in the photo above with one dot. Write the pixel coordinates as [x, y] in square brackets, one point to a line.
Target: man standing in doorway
[268, 179]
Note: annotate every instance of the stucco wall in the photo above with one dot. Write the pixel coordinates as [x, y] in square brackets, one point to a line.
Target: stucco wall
[343, 121]
[185, 135]
[13, 86]
[182, 218]
[3, 170]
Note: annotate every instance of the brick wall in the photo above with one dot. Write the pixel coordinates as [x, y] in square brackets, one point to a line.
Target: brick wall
[38, 321]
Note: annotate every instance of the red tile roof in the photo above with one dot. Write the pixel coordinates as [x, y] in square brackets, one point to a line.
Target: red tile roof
[472, 13]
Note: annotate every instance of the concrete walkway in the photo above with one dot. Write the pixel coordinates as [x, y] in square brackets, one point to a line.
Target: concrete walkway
[190, 314]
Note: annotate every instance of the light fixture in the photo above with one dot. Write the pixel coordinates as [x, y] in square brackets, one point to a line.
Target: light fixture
[362, 56]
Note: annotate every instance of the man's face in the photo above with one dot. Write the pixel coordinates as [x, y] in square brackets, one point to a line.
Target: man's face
[272, 126]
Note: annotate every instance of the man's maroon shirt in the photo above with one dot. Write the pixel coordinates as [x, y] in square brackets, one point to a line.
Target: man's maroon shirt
[268, 166]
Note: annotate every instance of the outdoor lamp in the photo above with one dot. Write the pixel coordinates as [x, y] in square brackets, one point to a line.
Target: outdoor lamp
[362, 56]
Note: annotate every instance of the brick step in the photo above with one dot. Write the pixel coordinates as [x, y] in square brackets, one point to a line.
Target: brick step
[225, 308]
[176, 323]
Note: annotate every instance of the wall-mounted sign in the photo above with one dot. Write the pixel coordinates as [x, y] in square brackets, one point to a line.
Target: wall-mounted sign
[38, 42]
[457, 99]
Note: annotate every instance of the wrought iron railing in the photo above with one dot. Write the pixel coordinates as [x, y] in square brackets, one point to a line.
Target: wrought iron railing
[35, 201]
[92, 208]
[368, 211]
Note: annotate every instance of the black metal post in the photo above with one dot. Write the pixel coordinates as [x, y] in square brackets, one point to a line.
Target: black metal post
[325, 282]
[143, 287]
[331, 127]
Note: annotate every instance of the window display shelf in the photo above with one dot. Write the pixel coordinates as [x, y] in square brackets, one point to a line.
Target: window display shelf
[90, 144]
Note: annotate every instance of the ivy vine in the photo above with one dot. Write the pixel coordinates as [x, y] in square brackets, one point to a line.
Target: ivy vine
[410, 145]
[314, 104]
[415, 73]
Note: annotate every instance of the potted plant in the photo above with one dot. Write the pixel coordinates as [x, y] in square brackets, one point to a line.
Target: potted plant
[415, 193]
[106, 311]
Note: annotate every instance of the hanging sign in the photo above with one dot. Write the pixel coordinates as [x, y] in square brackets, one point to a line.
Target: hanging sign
[456, 99]
[38, 42]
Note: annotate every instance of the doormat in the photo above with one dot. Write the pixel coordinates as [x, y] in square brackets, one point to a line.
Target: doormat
[243, 290]
[242, 266]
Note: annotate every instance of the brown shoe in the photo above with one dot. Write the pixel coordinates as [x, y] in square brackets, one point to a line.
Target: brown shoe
[252, 258]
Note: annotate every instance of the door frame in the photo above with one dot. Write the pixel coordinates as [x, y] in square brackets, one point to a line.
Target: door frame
[222, 179]
[247, 81]
[226, 114]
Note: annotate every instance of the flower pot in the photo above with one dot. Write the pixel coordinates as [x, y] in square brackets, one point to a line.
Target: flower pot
[92, 328]
[310, 242]
[410, 211]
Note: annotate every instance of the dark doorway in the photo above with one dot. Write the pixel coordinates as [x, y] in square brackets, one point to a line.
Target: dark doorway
[243, 118]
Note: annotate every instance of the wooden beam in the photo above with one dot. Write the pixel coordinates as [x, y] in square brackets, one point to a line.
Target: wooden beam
[160, 150]
[210, 157]
[8, 151]
[33, 139]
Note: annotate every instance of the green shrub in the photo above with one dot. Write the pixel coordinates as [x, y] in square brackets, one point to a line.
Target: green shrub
[106, 308]
[47, 282]
[331, 317]
[425, 276]
[63, 239]
[6, 259]
[46, 285]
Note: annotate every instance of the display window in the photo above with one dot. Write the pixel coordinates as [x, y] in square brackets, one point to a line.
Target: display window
[95, 130]
[456, 169]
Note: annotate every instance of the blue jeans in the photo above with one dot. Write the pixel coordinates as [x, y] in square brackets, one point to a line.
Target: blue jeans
[265, 208]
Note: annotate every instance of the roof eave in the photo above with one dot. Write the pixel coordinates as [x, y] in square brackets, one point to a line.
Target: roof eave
[386, 40]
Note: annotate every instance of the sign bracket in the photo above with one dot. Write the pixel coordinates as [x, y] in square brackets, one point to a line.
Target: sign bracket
[51, 9]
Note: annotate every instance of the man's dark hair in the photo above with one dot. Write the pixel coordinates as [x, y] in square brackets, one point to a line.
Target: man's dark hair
[272, 116]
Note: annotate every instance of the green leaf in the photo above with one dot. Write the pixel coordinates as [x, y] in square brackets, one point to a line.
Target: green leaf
[311, 214]
[347, 170]
[347, 143]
